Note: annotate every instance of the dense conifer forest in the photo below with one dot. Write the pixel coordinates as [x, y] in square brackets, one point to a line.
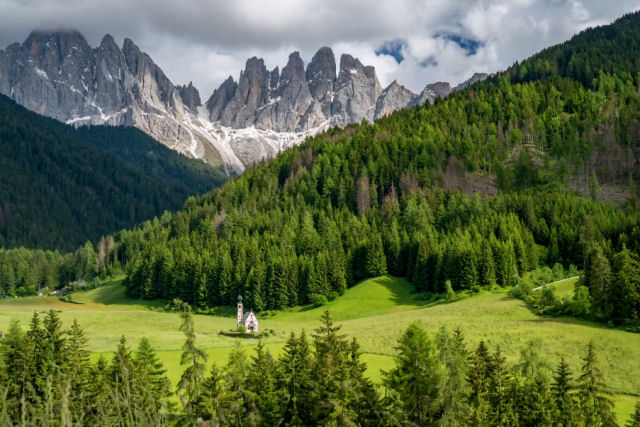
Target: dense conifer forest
[375, 198]
[48, 378]
[60, 186]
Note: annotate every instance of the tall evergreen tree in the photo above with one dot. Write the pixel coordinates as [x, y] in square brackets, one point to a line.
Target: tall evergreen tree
[595, 401]
[192, 357]
[414, 379]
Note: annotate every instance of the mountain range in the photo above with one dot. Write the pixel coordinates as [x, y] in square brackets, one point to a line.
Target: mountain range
[59, 75]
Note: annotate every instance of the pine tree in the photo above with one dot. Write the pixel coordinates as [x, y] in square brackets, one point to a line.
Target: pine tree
[376, 260]
[562, 389]
[625, 288]
[414, 379]
[194, 359]
[329, 369]
[598, 280]
[151, 375]
[454, 388]
[235, 384]
[295, 369]
[486, 267]
[211, 396]
[498, 384]
[595, 401]
[54, 344]
[421, 270]
[261, 388]
[78, 367]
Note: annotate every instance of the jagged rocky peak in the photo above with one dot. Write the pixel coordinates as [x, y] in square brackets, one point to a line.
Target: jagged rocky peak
[55, 44]
[220, 98]
[293, 71]
[477, 77]
[393, 97]
[190, 96]
[108, 44]
[254, 83]
[441, 89]
[321, 73]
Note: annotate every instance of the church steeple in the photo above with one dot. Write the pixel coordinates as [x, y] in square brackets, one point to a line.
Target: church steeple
[240, 311]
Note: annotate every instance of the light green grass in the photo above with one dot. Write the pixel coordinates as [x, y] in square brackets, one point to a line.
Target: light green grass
[375, 311]
[565, 288]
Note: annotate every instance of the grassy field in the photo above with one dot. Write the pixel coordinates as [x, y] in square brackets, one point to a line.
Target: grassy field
[375, 311]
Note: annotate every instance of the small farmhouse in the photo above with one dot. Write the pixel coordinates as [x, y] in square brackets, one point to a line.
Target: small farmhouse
[248, 320]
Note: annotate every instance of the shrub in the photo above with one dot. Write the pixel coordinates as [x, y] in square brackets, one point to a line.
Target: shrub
[318, 300]
[449, 290]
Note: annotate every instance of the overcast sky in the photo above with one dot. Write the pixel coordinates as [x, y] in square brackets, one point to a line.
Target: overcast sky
[415, 42]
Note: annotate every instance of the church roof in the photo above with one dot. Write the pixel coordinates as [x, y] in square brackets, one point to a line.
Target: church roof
[247, 315]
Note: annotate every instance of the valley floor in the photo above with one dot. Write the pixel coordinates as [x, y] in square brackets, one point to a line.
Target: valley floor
[375, 311]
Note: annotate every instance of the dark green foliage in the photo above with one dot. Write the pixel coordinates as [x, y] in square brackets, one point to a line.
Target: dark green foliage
[432, 382]
[47, 378]
[562, 392]
[415, 378]
[593, 393]
[62, 186]
[193, 358]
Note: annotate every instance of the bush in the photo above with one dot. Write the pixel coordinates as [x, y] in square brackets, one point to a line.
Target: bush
[581, 303]
[449, 290]
[333, 295]
[523, 288]
[318, 300]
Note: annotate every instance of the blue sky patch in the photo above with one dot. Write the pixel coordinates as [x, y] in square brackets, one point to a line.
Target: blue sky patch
[469, 45]
[393, 49]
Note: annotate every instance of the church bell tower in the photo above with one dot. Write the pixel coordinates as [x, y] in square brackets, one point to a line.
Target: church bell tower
[240, 311]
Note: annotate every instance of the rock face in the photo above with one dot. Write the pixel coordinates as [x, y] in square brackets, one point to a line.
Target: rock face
[59, 75]
[190, 96]
[477, 77]
[394, 97]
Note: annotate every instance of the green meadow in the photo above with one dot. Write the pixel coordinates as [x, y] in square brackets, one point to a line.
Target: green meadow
[375, 311]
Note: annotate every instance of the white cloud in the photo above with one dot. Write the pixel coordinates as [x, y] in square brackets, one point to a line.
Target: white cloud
[206, 41]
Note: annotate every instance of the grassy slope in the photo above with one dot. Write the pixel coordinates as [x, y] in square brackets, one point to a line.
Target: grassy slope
[375, 311]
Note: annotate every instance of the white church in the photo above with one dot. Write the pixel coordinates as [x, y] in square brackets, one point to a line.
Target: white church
[248, 320]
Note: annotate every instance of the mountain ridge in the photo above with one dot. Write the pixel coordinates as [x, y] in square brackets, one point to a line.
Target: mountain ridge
[58, 74]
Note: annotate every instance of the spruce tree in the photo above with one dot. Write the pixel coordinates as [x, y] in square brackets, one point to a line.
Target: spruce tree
[625, 288]
[151, 375]
[376, 262]
[265, 399]
[211, 396]
[595, 400]
[414, 379]
[78, 367]
[295, 370]
[454, 388]
[562, 389]
[192, 357]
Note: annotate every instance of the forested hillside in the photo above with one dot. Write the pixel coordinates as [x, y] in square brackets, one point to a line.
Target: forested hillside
[60, 186]
[369, 199]
[398, 196]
